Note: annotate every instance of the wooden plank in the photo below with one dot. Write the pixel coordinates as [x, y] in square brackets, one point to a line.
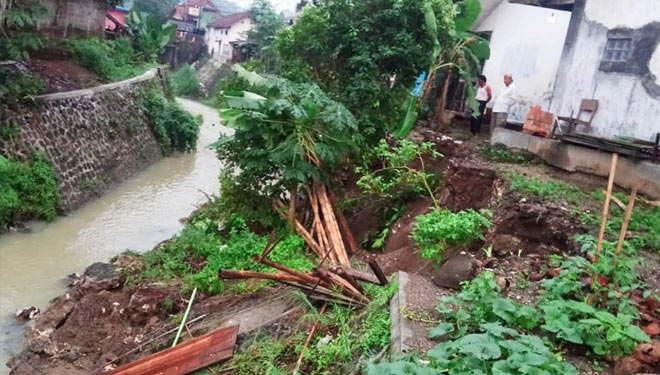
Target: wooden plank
[378, 272]
[185, 358]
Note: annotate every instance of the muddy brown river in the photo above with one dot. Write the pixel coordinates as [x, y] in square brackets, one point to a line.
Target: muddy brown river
[136, 214]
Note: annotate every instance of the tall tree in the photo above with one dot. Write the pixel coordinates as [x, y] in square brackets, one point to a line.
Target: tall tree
[159, 8]
[266, 25]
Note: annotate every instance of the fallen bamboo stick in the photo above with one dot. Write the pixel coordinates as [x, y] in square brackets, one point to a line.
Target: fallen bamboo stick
[185, 317]
[626, 220]
[346, 286]
[289, 270]
[292, 205]
[280, 276]
[378, 272]
[300, 229]
[344, 227]
[606, 206]
[329, 295]
[331, 225]
[360, 275]
[309, 339]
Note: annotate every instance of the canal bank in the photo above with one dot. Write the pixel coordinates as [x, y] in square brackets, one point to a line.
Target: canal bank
[136, 214]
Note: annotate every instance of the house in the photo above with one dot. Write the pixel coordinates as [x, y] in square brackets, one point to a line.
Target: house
[224, 34]
[563, 51]
[193, 15]
[115, 21]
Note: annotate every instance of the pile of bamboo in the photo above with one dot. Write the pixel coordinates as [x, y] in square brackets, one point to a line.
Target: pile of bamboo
[327, 233]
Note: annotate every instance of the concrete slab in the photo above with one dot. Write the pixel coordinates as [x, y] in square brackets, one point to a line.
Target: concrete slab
[417, 297]
[643, 174]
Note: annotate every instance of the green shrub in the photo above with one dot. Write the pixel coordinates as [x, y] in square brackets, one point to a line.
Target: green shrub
[544, 188]
[113, 60]
[27, 190]
[176, 129]
[15, 86]
[185, 83]
[440, 227]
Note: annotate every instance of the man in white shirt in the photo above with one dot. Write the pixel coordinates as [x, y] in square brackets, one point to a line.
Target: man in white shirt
[503, 103]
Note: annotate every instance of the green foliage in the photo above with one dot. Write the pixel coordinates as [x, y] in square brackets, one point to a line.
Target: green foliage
[200, 242]
[17, 20]
[158, 8]
[151, 36]
[267, 23]
[389, 172]
[293, 135]
[548, 188]
[392, 214]
[27, 190]
[232, 82]
[503, 155]
[441, 227]
[365, 53]
[16, 86]
[185, 83]
[114, 60]
[262, 356]
[242, 201]
[175, 128]
[480, 302]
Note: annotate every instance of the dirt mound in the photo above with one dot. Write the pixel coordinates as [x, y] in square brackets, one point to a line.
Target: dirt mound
[468, 186]
[532, 227]
[63, 75]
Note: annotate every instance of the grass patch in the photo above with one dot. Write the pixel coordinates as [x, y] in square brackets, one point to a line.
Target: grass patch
[27, 190]
[114, 60]
[504, 155]
[544, 188]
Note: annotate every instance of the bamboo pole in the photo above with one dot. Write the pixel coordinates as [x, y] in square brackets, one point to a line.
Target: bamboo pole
[292, 206]
[309, 339]
[185, 317]
[344, 227]
[331, 226]
[318, 227]
[279, 276]
[606, 206]
[289, 270]
[300, 229]
[626, 220]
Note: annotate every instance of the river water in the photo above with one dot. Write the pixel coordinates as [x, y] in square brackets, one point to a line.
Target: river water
[137, 215]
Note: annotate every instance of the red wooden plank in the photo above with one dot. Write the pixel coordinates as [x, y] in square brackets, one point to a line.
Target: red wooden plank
[185, 358]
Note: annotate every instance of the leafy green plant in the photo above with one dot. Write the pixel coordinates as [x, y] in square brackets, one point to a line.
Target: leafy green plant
[14, 87]
[151, 36]
[17, 20]
[548, 188]
[185, 83]
[441, 227]
[294, 135]
[267, 23]
[114, 60]
[175, 128]
[27, 190]
[392, 214]
[389, 172]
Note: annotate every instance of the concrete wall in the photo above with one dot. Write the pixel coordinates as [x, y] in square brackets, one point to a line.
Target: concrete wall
[93, 137]
[629, 93]
[66, 17]
[527, 41]
[643, 174]
[218, 40]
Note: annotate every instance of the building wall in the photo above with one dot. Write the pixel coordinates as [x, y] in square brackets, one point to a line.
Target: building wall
[66, 17]
[629, 96]
[526, 41]
[93, 137]
[218, 40]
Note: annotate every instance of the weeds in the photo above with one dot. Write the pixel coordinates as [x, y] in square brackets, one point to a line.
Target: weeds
[503, 155]
[175, 128]
[441, 227]
[549, 188]
[27, 190]
[114, 60]
[185, 83]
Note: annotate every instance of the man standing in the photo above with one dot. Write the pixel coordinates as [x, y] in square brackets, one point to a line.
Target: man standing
[483, 96]
[503, 103]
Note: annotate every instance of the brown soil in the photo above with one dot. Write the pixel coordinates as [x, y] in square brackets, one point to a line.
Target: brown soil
[63, 75]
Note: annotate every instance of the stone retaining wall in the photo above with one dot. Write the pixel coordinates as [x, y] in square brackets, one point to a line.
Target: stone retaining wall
[93, 137]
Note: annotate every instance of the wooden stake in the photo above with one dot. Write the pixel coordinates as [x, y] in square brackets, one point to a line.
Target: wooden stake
[378, 272]
[309, 339]
[606, 206]
[626, 220]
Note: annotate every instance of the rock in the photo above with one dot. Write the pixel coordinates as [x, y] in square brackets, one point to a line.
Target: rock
[504, 244]
[27, 313]
[101, 271]
[147, 301]
[454, 271]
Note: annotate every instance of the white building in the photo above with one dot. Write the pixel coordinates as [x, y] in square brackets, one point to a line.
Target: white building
[563, 51]
[223, 31]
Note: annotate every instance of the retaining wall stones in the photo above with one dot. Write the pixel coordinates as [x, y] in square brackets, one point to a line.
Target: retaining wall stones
[93, 137]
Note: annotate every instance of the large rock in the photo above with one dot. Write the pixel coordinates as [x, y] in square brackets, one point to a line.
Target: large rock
[455, 270]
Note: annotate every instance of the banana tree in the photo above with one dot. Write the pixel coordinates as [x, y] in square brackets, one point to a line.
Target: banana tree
[462, 57]
[150, 36]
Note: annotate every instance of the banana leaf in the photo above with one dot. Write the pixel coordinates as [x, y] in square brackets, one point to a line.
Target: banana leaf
[468, 16]
[252, 77]
[410, 106]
